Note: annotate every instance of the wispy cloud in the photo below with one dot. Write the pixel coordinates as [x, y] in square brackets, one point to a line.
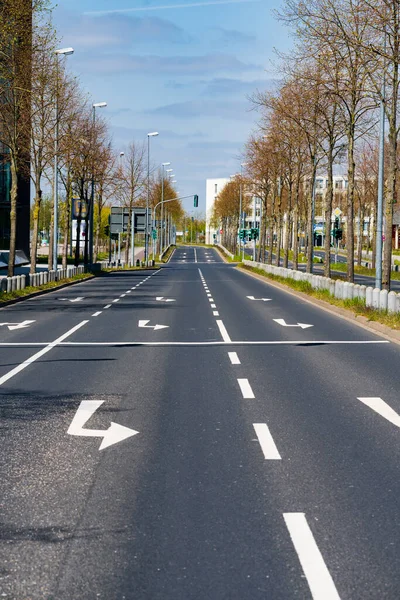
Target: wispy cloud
[167, 6]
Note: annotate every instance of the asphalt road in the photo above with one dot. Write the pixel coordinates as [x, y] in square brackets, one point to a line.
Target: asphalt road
[250, 468]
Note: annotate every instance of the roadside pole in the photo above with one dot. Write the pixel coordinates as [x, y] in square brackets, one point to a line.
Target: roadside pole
[255, 227]
[133, 239]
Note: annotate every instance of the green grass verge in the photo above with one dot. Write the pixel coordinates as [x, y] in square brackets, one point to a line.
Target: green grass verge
[356, 306]
[168, 254]
[5, 297]
[362, 270]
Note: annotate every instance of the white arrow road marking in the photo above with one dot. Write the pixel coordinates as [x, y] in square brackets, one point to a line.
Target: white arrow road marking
[12, 326]
[143, 323]
[383, 409]
[79, 299]
[162, 299]
[318, 577]
[259, 299]
[114, 434]
[284, 324]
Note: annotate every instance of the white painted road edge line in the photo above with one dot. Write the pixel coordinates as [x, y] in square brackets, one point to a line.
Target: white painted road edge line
[96, 314]
[318, 577]
[223, 331]
[245, 388]
[266, 440]
[234, 358]
[44, 350]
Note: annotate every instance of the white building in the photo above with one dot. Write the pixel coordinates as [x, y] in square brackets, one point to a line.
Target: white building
[213, 188]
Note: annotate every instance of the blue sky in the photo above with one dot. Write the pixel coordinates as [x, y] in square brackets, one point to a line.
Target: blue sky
[185, 71]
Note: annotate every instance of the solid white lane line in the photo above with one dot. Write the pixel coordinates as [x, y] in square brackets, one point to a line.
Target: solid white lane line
[245, 388]
[234, 358]
[213, 306]
[41, 352]
[383, 409]
[266, 440]
[108, 306]
[223, 331]
[182, 344]
[195, 255]
[96, 314]
[116, 300]
[215, 313]
[318, 577]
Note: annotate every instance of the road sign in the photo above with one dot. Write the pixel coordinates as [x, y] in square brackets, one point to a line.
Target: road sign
[337, 212]
[119, 219]
[79, 208]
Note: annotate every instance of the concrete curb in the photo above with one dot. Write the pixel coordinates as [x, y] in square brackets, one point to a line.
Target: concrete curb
[343, 313]
[42, 292]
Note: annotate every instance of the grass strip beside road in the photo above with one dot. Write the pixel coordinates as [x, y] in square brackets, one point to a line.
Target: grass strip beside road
[355, 306]
[342, 267]
[51, 285]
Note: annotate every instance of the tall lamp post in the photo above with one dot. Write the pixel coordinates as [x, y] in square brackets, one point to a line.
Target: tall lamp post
[146, 241]
[241, 224]
[58, 53]
[163, 165]
[91, 214]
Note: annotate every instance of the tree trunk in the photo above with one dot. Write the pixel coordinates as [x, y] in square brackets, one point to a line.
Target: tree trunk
[296, 235]
[350, 206]
[390, 199]
[51, 238]
[13, 215]
[66, 228]
[310, 222]
[328, 216]
[35, 230]
[287, 229]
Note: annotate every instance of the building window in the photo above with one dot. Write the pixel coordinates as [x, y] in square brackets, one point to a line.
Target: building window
[339, 184]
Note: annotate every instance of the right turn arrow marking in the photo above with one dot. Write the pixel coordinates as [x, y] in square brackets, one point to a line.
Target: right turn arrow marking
[114, 434]
[143, 323]
[284, 324]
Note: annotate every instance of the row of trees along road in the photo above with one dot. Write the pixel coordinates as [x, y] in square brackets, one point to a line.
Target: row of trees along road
[325, 110]
[32, 81]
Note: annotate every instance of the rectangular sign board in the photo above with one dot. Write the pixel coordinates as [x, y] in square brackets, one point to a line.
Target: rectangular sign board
[119, 219]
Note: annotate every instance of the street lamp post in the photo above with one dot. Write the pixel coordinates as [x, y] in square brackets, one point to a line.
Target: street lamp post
[91, 212]
[61, 52]
[146, 241]
[166, 164]
[241, 224]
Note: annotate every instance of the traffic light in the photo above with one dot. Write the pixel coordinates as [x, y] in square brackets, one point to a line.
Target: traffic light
[338, 233]
[107, 230]
[196, 201]
[241, 234]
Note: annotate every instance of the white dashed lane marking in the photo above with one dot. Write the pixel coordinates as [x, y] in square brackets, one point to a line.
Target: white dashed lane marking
[245, 388]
